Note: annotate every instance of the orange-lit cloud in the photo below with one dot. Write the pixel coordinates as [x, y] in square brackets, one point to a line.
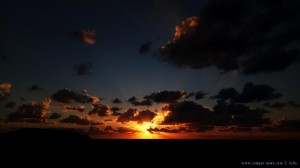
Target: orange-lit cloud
[76, 108]
[86, 36]
[4, 90]
[127, 116]
[140, 117]
[32, 112]
[101, 110]
[186, 27]
[144, 116]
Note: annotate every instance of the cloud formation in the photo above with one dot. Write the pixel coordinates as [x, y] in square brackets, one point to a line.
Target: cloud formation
[69, 96]
[257, 93]
[238, 114]
[165, 96]
[4, 90]
[276, 105]
[54, 116]
[167, 130]
[10, 104]
[144, 116]
[115, 111]
[293, 104]
[86, 36]
[32, 112]
[127, 116]
[132, 99]
[186, 112]
[226, 94]
[82, 68]
[133, 115]
[200, 95]
[35, 88]
[142, 103]
[3, 58]
[100, 110]
[76, 108]
[254, 37]
[74, 119]
[117, 101]
[145, 48]
[250, 93]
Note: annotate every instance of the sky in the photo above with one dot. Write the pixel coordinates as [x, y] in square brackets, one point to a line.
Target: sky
[204, 69]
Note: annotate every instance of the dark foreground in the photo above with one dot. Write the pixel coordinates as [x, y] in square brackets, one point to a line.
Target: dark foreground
[71, 148]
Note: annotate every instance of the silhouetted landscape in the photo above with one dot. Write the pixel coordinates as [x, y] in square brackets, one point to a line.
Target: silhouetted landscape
[215, 77]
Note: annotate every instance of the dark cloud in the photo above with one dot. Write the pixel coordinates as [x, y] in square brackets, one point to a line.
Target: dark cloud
[132, 99]
[108, 128]
[199, 127]
[187, 112]
[74, 119]
[257, 93]
[142, 103]
[139, 117]
[115, 111]
[125, 130]
[10, 104]
[117, 101]
[187, 95]
[289, 125]
[86, 36]
[100, 110]
[167, 130]
[127, 116]
[276, 105]
[200, 95]
[97, 123]
[54, 116]
[83, 68]
[35, 88]
[250, 93]
[270, 61]
[33, 112]
[69, 96]
[237, 129]
[284, 125]
[96, 131]
[200, 119]
[294, 104]
[144, 116]
[107, 120]
[253, 36]
[165, 96]
[22, 98]
[238, 114]
[4, 90]
[145, 48]
[226, 94]
[76, 108]
[3, 58]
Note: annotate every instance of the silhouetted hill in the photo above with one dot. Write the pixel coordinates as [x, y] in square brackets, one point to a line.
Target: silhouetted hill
[49, 143]
[37, 135]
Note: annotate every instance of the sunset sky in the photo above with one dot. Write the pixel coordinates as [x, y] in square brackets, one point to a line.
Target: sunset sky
[200, 69]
